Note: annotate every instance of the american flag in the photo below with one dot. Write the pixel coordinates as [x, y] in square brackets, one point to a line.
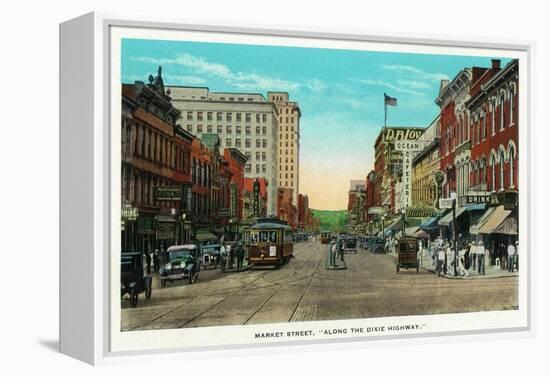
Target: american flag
[390, 100]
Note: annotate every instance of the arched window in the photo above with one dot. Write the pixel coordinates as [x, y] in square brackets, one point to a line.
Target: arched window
[511, 106]
[493, 172]
[512, 161]
[493, 117]
[502, 161]
[502, 112]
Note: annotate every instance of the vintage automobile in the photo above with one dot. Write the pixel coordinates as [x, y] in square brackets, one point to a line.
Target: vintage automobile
[350, 244]
[407, 254]
[133, 280]
[376, 245]
[210, 254]
[183, 263]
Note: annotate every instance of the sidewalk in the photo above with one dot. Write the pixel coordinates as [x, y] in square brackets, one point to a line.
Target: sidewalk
[491, 272]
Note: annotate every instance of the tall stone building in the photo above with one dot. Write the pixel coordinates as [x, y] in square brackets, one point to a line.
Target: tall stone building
[247, 122]
[289, 114]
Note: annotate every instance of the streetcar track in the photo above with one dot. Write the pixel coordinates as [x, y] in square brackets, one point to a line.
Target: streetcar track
[306, 290]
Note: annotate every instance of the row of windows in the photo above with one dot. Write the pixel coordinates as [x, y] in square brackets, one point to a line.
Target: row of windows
[286, 176]
[287, 128]
[287, 144]
[280, 111]
[493, 118]
[199, 115]
[286, 160]
[149, 144]
[228, 129]
[286, 120]
[286, 168]
[260, 168]
[260, 143]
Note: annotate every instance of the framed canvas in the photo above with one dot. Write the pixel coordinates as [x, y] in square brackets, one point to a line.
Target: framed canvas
[233, 188]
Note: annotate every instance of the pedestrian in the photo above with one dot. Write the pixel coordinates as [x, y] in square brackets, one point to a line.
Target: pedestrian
[341, 250]
[511, 256]
[240, 256]
[481, 258]
[231, 251]
[148, 262]
[440, 261]
[333, 253]
[156, 261]
[449, 260]
[517, 256]
[223, 256]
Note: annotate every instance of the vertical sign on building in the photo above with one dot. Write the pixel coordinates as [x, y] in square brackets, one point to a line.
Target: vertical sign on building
[409, 149]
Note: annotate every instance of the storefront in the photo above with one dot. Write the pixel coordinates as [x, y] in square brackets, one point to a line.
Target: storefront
[464, 216]
[498, 229]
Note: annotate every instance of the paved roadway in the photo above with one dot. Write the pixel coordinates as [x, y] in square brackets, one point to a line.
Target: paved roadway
[303, 291]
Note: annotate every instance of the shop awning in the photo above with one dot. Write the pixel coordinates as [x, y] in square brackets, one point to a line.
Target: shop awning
[430, 224]
[204, 236]
[166, 218]
[494, 220]
[394, 226]
[509, 226]
[474, 228]
[421, 234]
[448, 218]
[411, 230]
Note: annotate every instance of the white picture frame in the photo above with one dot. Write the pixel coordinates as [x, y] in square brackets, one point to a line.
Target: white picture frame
[86, 150]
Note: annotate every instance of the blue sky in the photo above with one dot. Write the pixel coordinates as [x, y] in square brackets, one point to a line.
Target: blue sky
[340, 93]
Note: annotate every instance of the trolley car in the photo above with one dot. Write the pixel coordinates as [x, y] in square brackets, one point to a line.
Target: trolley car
[325, 237]
[269, 243]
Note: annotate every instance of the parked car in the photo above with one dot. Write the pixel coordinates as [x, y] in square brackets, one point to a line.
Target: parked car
[210, 255]
[183, 263]
[376, 245]
[350, 244]
[133, 280]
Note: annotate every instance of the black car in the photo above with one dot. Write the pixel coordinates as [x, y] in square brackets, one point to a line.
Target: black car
[183, 264]
[133, 280]
[377, 245]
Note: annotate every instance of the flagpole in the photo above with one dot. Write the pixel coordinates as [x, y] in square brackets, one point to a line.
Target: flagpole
[385, 111]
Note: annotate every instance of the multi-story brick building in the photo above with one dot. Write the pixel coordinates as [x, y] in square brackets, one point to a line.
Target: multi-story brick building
[236, 162]
[455, 146]
[286, 210]
[289, 114]
[249, 213]
[494, 130]
[247, 122]
[153, 155]
[357, 202]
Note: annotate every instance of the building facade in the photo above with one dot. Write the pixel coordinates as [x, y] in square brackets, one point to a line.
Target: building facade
[494, 129]
[425, 165]
[289, 114]
[243, 121]
[286, 210]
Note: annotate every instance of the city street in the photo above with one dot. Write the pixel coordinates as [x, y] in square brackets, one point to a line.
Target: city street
[304, 290]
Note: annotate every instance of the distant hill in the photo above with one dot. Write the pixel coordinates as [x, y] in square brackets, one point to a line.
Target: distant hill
[332, 220]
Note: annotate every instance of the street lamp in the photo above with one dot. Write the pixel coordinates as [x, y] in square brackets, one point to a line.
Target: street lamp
[453, 200]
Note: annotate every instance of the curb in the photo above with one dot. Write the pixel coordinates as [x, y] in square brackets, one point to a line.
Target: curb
[477, 277]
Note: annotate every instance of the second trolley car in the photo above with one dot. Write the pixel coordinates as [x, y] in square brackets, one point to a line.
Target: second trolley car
[269, 243]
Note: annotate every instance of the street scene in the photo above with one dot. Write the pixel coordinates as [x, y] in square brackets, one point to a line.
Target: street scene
[305, 290]
[268, 184]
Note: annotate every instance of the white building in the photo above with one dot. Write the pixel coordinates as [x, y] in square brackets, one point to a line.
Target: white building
[289, 114]
[244, 121]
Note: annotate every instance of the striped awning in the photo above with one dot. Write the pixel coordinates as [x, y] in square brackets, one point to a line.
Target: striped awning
[474, 228]
[508, 226]
[410, 231]
[495, 219]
